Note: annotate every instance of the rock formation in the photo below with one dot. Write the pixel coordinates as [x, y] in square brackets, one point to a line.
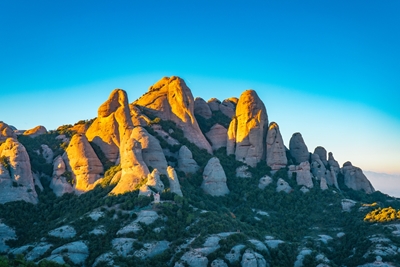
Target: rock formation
[323, 184]
[153, 180]
[217, 136]
[16, 179]
[59, 183]
[243, 172]
[298, 149]
[321, 152]
[248, 129]
[355, 179]
[186, 163]
[171, 99]
[174, 184]
[276, 151]
[152, 152]
[38, 130]
[83, 163]
[6, 131]
[318, 167]
[303, 174]
[134, 169]
[47, 153]
[282, 185]
[333, 163]
[138, 118]
[214, 103]
[214, 178]
[227, 107]
[201, 108]
[109, 126]
[253, 259]
[264, 182]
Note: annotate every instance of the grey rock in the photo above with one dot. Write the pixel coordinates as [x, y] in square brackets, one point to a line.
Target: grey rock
[38, 251]
[201, 108]
[227, 108]
[214, 103]
[151, 250]
[214, 178]
[234, 254]
[243, 172]
[323, 184]
[194, 259]
[77, 252]
[47, 153]
[105, 259]
[303, 174]
[264, 182]
[355, 179]
[333, 163]
[282, 185]
[217, 136]
[123, 246]
[253, 259]
[174, 184]
[219, 263]
[321, 152]
[153, 180]
[276, 151]
[6, 233]
[298, 149]
[186, 163]
[347, 204]
[65, 231]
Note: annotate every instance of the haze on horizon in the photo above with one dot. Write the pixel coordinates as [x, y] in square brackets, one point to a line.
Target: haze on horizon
[328, 70]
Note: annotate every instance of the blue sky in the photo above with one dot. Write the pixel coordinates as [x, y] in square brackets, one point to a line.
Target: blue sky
[327, 69]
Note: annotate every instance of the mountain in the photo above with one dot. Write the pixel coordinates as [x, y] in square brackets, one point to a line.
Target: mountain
[387, 183]
[169, 180]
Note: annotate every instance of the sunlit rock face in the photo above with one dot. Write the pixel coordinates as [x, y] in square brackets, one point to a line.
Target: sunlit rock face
[248, 129]
[298, 148]
[83, 163]
[109, 126]
[134, 169]
[355, 179]
[276, 151]
[16, 179]
[6, 131]
[171, 99]
[38, 130]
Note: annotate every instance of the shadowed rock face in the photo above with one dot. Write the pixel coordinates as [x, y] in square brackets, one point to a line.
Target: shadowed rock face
[248, 129]
[201, 108]
[355, 179]
[217, 136]
[16, 180]
[214, 178]
[276, 151]
[174, 184]
[298, 149]
[321, 152]
[171, 99]
[186, 163]
[81, 160]
[6, 131]
[134, 169]
[112, 120]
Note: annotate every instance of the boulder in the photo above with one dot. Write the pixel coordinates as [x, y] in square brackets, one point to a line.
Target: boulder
[153, 180]
[298, 149]
[16, 179]
[201, 108]
[186, 163]
[234, 254]
[83, 163]
[174, 184]
[321, 152]
[217, 136]
[248, 129]
[152, 152]
[6, 233]
[355, 179]
[133, 167]
[47, 153]
[194, 259]
[227, 108]
[318, 168]
[333, 163]
[214, 178]
[123, 246]
[113, 117]
[243, 172]
[77, 252]
[65, 232]
[214, 103]
[264, 182]
[282, 185]
[276, 151]
[253, 259]
[171, 99]
[323, 184]
[303, 174]
[34, 132]
[347, 204]
[6, 131]
[151, 250]
[218, 263]
[60, 186]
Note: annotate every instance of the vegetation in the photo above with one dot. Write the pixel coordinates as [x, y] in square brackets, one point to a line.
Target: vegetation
[383, 215]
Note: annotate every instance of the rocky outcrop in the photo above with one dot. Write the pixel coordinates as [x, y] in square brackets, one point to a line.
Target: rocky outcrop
[83, 163]
[333, 163]
[227, 107]
[59, 183]
[133, 167]
[248, 129]
[214, 178]
[282, 185]
[153, 180]
[243, 172]
[303, 174]
[318, 167]
[264, 182]
[113, 117]
[321, 152]
[217, 136]
[6, 131]
[186, 163]
[214, 103]
[174, 184]
[16, 179]
[298, 149]
[38, 130]
[171, 99]
[276, 151]
[323, 184]
[47, 153]
[152, 152]
[138, 118]
[201, 108]
[355, 179]
[253, 259]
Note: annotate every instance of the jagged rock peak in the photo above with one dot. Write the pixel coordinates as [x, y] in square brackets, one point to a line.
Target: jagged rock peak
[6, 131]
[248, 129]
[276, 151]
[38, 130]
[113, 118]
[321, 152]
[81, 160]
[16, 179]
[214, 178]
[355, 179]
[171, 99]
[298, 148]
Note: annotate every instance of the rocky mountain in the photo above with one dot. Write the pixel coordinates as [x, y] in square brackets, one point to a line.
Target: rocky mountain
[173, 180]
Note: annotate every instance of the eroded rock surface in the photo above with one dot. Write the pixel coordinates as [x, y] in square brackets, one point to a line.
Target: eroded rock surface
[276, 151]
[355, 179]
[214, 178]
[186, 163]
[38, 130]
[217, 136]
[201, 108]
[298, 149]
[174, 184]
[6, 131]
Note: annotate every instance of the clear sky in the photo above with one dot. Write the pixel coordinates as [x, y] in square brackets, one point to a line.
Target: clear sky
[327, 69]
